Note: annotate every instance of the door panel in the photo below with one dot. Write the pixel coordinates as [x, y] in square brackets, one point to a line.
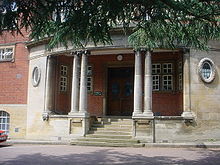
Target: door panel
[120, 91]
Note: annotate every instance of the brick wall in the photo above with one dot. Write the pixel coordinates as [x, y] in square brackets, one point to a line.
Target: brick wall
[14, 75]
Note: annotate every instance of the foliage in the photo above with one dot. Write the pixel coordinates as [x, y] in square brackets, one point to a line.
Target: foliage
[151, 23]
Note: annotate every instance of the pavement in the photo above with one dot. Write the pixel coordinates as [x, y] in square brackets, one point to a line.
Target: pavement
[196, 144]
[29, 154]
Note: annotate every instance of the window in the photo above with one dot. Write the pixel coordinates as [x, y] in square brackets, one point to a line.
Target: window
[167, 68]
[180, 81]
[207, 70]
[167, 82]
[6, 54]
[180, 75]
[4, 121]
[156, 82]
[36, 74]
[162, 76]
[89, 78]
[63, 78]
[156, 68]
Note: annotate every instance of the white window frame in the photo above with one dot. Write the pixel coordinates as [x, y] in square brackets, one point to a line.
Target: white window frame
[4, 121]
[5, 55]
[63, 85]
[201, 70]
[180, 77]
[169, 66]
[155, 82]
[89, 78]
[165, 83]
[156, 68]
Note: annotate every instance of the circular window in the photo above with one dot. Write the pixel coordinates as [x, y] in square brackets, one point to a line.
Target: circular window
[36, 76]
[206, 70]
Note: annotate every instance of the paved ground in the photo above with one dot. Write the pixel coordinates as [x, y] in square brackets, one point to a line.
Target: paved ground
[74, 155]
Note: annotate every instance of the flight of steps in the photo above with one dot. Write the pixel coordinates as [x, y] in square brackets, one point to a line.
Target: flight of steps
[111, 132]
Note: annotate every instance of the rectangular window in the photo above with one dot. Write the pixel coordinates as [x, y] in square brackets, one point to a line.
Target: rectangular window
[63, 70]
[167, 68]
[180, 67]
[156, 68]
[156, 82]
[6, 54]
[89, 78]
[180, 81]
[63, 78]
[167, 81]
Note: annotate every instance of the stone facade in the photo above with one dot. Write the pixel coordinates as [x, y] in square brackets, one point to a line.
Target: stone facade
[197, 108]
[58, 108]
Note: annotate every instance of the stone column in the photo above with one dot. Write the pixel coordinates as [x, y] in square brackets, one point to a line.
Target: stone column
[75, 85]
[137, 85]
[148, 86]
[49, 87]
[83, 105]
[187, 113]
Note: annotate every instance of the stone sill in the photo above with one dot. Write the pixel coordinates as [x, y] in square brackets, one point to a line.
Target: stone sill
[168, 117]
[153, 118]
[64, 116]
[59, 116]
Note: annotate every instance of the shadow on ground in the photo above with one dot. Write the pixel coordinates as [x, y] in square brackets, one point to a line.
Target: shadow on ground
[4, 145]
[108, 157]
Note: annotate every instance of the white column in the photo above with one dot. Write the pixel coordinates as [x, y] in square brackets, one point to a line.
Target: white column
[75, 85]
[138, 85]
[83, 105]
[49, 87]
[187, 113]
[148, 86]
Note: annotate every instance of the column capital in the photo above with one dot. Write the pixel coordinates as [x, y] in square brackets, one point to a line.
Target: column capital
[86, 52]
[76, 53]
[80, 52]
[142, 49]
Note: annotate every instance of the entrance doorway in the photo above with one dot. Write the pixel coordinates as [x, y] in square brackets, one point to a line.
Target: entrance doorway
[120, 91]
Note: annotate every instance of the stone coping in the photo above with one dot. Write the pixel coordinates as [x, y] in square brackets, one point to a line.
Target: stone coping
[126, 117]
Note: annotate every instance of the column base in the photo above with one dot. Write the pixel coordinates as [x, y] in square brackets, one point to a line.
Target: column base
[188, 115]
[148, 115]
[79, 114]
[73, 113]
[136, 114]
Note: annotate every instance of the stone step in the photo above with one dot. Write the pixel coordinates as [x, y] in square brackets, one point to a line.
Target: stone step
[112, 123]
[108, 140]
[112, 126]
[128, 122]
[110, 132]
[104, 144]
[112, 119]
[113, 136]
[111, 129]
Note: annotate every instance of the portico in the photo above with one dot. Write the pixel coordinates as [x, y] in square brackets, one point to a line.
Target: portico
[81, 101]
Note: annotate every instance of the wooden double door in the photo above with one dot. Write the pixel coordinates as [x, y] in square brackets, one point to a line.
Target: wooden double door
[120, 91]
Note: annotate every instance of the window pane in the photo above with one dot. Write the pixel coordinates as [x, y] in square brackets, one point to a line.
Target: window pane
[206, 70]
[167, 82]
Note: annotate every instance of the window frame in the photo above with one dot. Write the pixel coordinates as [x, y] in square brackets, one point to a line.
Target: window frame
[7, 123]
[63, 74]
[89, 75]
[212, 68]
[162, 74]
[13, 53]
